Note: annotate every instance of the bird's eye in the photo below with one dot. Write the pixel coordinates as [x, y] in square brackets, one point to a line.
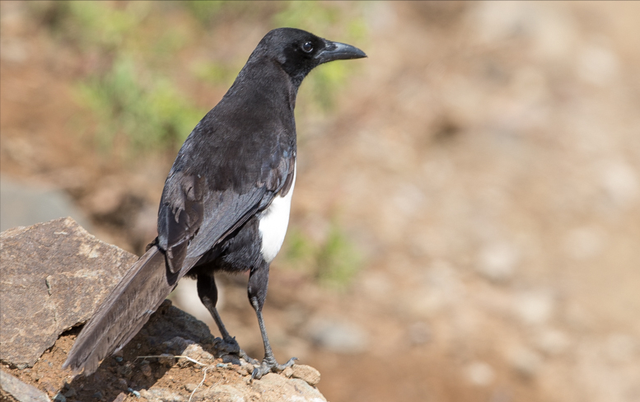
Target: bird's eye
[307, 47]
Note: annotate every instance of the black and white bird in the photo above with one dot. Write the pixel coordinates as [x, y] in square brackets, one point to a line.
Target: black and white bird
[226, 201]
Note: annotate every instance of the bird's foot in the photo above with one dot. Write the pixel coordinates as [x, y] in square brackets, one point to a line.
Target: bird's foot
[229, 346]
[268, 365]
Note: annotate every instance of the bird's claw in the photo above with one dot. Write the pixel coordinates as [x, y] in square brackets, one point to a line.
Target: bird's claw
[269, 365]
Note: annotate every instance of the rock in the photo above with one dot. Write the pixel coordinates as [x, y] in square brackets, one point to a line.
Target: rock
[196, 352]
[11, 387]
[24, 204]
[338, 336]
[161, 394]
[534, 306]
[62, 255]
[525, 362]
[480, 373]
[57, 274]
[419, 333]
[275, 388]
[497, 262]
[307, 373]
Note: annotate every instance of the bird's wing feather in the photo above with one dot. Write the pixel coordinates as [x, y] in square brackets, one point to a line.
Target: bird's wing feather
[121, 315]
[195, 215]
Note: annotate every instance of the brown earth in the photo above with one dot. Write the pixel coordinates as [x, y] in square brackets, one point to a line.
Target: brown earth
[485, 160]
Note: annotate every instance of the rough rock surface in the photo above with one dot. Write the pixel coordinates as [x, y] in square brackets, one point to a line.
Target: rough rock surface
[174, 357]
[54, 275]
[12, 389]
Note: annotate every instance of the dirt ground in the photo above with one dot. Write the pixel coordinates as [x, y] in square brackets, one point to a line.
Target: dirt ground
[484, 160]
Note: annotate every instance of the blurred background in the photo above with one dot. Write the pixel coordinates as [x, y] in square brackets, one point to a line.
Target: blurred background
[466, 221]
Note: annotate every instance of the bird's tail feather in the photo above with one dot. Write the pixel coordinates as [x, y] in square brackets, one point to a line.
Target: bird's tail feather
[127, 308]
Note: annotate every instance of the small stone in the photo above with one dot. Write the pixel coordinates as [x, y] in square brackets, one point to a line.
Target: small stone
[196, 352]
[419, 333]
[177, 345]
[535, 306]
[525, 362]
[190, 387]
[134, 392]
[480, 373]
[70, 393]
[338, 336]
[60, 398]
[497, 262]
[145, 369]
[288, 372]
[306, 373]
[248, 368]
[126, 370]
[166, 360]
[551, 341]
[122, 383]
[98, 395]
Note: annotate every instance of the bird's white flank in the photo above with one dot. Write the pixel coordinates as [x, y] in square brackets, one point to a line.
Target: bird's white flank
[273, 223]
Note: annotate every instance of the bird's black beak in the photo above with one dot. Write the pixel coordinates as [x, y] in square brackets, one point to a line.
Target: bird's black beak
[338, 51]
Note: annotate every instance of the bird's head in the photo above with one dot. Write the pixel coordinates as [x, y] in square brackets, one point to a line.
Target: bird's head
[299, 52]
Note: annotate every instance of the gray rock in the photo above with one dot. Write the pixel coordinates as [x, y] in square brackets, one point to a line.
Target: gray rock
[11, 387]
[56, 274]
[338, 336]
[27, 204]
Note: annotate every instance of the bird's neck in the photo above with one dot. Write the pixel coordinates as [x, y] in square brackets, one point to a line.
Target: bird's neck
[266, 79]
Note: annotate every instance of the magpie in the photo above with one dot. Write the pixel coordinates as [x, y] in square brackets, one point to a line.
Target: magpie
[226, 201]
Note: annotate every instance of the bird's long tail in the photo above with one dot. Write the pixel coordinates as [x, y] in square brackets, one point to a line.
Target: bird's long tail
[123, 313]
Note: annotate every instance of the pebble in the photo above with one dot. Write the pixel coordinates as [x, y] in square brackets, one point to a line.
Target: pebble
[146, 369]
[166, 360]
[534, 306]
[480, 373]
[122, 383]
[177, 345]
[288, 372]
[419, 333]
[497, 262]
[60, 398]
[551, 341]
[337, 336]
[70, 393]
[195, 352]
[306, 373]
[525, 362]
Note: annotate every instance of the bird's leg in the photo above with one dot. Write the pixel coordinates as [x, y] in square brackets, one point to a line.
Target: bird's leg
[208, 293]
[257, 291]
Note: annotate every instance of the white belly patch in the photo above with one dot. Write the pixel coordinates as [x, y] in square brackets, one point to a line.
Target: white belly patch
[273, 224]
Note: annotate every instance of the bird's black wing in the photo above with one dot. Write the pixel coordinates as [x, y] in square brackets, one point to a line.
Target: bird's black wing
[199, 210]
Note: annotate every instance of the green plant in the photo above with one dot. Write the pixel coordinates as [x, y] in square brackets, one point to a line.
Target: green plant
[146, 114]
[333, 262]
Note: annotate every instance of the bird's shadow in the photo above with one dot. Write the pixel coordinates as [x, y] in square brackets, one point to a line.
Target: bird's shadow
[169, 331]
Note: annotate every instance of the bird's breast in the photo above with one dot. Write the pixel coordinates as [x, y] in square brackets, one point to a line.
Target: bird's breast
[273, 224]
